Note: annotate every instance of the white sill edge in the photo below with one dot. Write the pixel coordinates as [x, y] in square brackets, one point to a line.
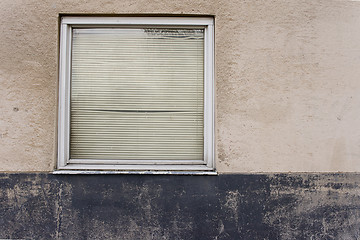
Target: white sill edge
[201, 173]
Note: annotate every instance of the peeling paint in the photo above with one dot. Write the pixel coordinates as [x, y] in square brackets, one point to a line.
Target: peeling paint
[272, 206]
[329, 203]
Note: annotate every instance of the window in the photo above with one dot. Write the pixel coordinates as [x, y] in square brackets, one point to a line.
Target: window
[136, 94]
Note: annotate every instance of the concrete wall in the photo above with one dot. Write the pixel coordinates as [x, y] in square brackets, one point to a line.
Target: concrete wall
[239, 207]
[287, 100]
[287, 81]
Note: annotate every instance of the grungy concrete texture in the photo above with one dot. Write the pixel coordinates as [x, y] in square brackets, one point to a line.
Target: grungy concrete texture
[282, 206]
[287, 80]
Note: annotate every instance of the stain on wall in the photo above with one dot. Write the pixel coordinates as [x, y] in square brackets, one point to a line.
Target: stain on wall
[278, 206]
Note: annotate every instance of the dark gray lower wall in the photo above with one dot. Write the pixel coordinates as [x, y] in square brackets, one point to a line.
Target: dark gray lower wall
[281, 206]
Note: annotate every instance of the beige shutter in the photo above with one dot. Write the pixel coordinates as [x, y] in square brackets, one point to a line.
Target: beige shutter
[137, 94]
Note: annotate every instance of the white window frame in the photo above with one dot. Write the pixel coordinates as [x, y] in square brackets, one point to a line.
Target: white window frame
[65, 164]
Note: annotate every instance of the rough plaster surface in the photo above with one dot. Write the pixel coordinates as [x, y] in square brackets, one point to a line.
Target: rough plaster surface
[287, 77]
[267, 207]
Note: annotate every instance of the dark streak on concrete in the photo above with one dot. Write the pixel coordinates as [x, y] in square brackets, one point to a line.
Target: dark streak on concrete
[280, 206]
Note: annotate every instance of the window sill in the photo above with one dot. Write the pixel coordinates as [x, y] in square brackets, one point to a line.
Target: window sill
[201, 173]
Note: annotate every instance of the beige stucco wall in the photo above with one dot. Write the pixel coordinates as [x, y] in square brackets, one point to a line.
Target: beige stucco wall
[287, 77]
